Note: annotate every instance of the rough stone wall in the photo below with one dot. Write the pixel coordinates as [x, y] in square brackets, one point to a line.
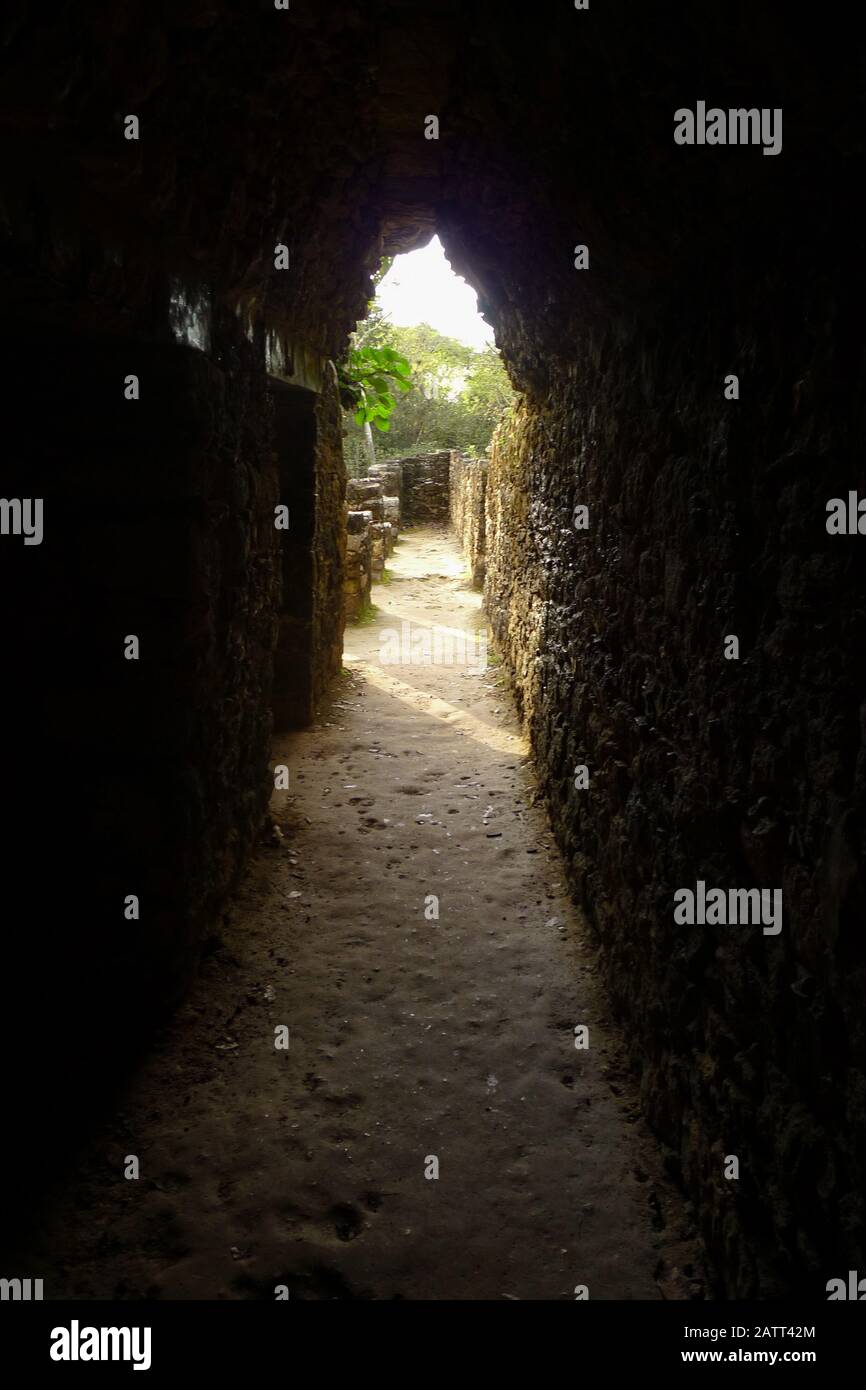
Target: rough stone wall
[160, 512]
[390, 475]
[295, 441]
[746, 773]
[424, 497]
[708, 519]
[370, 541]
[308, 439]
[329, 545]
[359, 561]
[467, 487]
[391, 511]
[381, 547]
[368, 494]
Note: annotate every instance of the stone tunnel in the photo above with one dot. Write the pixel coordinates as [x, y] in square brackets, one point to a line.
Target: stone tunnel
[196, 197]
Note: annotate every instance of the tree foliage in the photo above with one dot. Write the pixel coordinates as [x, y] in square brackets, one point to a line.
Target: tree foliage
[373, 369]
[368, 379]
[455, 399]
[488, 391]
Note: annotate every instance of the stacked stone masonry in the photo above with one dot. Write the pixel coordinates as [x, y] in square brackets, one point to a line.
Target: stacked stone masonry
[424, 494]
[467, 490]
[359, 560]
[407, 491]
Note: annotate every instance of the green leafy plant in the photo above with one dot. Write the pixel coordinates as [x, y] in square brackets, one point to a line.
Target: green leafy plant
[368, 380]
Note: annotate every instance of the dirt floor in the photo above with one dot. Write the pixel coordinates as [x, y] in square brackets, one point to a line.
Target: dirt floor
[411, 1038]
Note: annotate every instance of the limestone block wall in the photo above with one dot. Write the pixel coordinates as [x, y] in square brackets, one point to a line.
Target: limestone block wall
[371, 543]
[467, 490]
[329, 540]
[742, 773]
[309, 452]
[390, 475]
[382, 546]
[392, 516]
[294, 416]
[425, 488]
[368, 494]
[359, 556]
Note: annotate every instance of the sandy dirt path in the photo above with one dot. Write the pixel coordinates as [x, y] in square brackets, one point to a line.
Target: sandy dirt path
[410, 1038]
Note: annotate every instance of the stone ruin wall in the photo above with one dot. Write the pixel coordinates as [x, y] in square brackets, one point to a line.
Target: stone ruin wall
[421, 489]
[425, 498]
[746, 773]
[399, 492]
[467, 489]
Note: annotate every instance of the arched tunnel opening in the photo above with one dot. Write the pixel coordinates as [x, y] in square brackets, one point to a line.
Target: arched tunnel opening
[433, 980]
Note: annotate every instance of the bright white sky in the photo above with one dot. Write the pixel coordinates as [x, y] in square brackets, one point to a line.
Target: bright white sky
[421, 287]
